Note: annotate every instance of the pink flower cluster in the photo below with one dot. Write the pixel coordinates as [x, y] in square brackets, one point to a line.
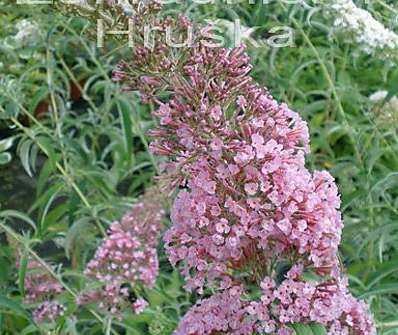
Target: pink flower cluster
[39, 284]
[296, 300]
[247, 202]
[48, 311]
[41, 287]
[126, 257]
[222, 313]
[248, 191]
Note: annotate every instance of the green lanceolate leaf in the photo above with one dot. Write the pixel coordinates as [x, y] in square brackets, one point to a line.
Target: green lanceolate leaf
[24, 153]
[6, 144]
[318, 329]
[383, 271]
[302, 329]
[125, 110]
[8, 304]
[23, 264]
[18, 215]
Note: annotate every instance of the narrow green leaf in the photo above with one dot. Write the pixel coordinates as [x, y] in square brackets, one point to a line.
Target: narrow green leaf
[44, 198]
[383, 271]
[18, 215]
[379, 290]
[24, 154]
[43, 215]
[125, 110]
[29, 330]
[5, 268]
[6, 144]
[80, 227]
[48, 145]
[23, 264]
[14, 306]
[44, 176]
[54, 216]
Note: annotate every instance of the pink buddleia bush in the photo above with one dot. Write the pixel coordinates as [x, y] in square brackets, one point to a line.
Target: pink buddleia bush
[249, 168]
[246, 201]
[127, 258]
[248, 191]
[250, 202]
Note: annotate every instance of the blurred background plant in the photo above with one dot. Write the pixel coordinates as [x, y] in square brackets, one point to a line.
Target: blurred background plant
[74, 151]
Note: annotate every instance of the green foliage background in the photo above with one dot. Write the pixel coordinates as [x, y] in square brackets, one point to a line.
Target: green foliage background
[66, 175]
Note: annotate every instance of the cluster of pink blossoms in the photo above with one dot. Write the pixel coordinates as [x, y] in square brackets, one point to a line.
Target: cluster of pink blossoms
[42, 288]
[222, 313]
[326, 302]
[48, 311]
[294, 300]
[247, 202]
[127, 257]
[248, 190]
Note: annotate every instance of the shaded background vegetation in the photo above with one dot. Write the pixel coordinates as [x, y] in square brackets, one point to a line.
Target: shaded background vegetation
[74, 153]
